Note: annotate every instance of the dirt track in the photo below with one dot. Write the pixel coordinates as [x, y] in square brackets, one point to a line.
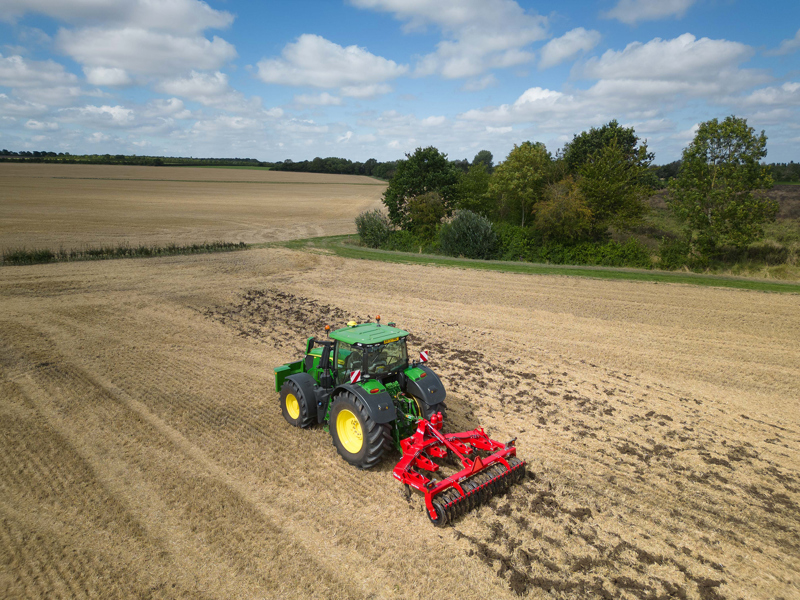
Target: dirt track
[142, 450]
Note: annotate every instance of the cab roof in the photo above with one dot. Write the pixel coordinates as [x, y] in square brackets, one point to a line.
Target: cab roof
[367, 333]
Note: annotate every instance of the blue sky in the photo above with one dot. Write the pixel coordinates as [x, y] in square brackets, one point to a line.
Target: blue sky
[378, 78]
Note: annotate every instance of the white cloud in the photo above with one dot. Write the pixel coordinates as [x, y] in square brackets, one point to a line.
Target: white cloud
[313, 60]
[20, 108]
[365, 91]
[40, 125]
[787, 94]
[226, 123]
[107, 76]
[206, 88]
[479, 34]
[567, 46]
[476, 85]
[633, 11]
[434, 121]
[787, 46]
[323, 99]
[98, 136]
[97, 116]
[345, 138]
[17, 72]
[184, 16]
[172, 108]
[144, 52]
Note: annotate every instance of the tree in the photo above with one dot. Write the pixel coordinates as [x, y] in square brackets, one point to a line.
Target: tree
[427, 170]
[425, 213]
[473, 191]
[577, 152]
[713, 193]
[563, 216]
[612, 183]
[519, 182]
[484, 157]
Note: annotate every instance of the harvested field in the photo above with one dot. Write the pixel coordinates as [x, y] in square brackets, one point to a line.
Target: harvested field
[143, 452]
[74, 206]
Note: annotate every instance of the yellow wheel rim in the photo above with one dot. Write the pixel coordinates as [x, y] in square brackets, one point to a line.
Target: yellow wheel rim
[348, 428]
[292, 406]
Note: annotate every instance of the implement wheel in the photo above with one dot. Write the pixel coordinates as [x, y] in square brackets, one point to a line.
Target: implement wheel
[357, 437]
[296, 408]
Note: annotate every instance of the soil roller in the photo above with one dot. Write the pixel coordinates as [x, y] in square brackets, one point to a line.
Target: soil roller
[361, 386]
[480, 478]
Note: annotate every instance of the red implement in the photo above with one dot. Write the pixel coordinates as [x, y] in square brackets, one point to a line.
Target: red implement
[481, 476]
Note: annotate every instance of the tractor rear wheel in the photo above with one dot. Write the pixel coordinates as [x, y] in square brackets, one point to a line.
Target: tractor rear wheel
[296, 408]
[357, 437]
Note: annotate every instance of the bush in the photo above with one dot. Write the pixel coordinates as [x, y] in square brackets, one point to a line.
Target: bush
[564, 216]
[425, 213]
[610, 254]
[673, 254]
[469, 235]
[514, 242]
[373, 228]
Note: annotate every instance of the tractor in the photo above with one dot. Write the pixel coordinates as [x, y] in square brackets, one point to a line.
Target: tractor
[361, 386]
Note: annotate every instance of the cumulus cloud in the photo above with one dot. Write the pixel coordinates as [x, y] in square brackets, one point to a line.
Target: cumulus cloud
[479, 34]
[787, 46]
[184, 16]
[787, 94]
[17, 72]
[143, 52]
[40, 125]
[106, 76]
[366, 91]
[171, 108]
[97, 116]
[633, 11]
[312, 60]
[323, 99]
[478, 84]
[206, 88]
[567, 46]
[20, 108]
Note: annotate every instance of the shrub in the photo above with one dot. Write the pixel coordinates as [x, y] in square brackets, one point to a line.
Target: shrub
[425, 213]
[469, 235]
[514, 242]
[610, 254]
[373, 228]
[564, 215]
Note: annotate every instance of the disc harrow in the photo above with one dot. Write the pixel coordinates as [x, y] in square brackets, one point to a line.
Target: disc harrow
[481, 477]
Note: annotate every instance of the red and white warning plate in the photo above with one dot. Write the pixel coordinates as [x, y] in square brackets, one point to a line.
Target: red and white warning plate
[355, 376]
[423, 356]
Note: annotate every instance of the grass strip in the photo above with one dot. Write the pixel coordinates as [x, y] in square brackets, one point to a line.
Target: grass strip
[22, 256]
[345, 247]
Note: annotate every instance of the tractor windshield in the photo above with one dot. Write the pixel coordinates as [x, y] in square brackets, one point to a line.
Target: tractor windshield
[387, 357]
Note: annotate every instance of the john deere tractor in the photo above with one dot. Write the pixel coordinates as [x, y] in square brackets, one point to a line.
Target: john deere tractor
[360, 384]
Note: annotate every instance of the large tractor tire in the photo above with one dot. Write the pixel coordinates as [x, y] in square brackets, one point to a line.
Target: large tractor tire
[296, 408]
[357, 437]
[428, 411]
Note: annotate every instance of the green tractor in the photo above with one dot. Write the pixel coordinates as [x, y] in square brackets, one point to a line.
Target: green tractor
[360, 384]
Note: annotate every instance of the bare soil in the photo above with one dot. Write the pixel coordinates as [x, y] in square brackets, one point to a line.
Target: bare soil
[78, 206]
[143, 452]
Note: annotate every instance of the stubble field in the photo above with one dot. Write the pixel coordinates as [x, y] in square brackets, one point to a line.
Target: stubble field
[143, 452]
[74, 206]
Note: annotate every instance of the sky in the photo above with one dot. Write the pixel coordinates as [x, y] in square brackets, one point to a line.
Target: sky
[363, 79]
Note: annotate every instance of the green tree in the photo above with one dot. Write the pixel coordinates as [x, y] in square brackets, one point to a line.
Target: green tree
[563, 216]
[577, 152]
[612, 183]
[427, 170]
[473, 191]
[425, 213]
[713, 193]
[484, 157]
[519, 182]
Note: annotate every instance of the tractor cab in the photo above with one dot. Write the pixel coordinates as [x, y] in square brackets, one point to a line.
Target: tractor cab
[369, 350]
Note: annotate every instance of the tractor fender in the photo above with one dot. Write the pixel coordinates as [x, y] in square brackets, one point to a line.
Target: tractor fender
[380, 405]
[429, 389]
[307, 386]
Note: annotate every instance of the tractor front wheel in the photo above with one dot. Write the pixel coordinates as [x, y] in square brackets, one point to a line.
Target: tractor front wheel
[357, 437]
[296, 408]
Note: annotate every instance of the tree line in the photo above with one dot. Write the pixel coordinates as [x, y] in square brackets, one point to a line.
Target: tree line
[536, 205]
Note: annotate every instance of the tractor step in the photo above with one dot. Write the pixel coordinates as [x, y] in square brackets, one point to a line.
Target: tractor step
[483, 475]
